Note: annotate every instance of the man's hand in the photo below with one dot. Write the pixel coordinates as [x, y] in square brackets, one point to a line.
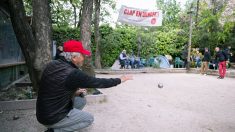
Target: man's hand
[81, 91]
[126, 77]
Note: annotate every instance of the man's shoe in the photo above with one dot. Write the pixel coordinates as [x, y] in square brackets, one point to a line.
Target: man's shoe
[49, 130]
[220, 77]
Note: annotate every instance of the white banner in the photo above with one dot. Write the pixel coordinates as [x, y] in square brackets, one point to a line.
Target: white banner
[140, 17]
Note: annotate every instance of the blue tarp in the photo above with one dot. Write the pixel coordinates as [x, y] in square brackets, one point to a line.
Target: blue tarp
[162, 61]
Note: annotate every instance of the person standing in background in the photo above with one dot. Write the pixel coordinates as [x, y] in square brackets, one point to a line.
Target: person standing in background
[205, 61]
[221, 57]
[198, 59]
[229, 55]
[122, 59]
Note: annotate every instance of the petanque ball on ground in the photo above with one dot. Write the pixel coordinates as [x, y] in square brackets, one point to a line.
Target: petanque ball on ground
[15, 117]
[160, 85]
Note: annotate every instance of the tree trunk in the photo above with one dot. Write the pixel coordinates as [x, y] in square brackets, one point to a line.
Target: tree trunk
[213, 2]
[74, 13]
[24, 36]
[97, 34]
[85, 31]
[35, 44]
[80, 17]
[197, 11]
[42, 32]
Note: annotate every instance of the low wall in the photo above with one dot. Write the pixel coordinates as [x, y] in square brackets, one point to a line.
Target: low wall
[31, 103]
[229, 73]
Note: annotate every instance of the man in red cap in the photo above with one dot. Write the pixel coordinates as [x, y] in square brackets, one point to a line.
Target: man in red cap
[59, 103]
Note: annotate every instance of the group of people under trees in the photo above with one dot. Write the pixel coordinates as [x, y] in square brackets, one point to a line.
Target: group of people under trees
[129, 60]
[221, 60]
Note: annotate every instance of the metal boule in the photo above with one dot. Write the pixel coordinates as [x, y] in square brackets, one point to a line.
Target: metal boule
[160, 85]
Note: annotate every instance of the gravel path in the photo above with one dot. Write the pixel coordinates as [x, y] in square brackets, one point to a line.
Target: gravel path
[186, 103]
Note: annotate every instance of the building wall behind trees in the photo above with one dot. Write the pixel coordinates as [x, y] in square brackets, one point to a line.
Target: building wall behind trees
[12, 65]
[10, 51]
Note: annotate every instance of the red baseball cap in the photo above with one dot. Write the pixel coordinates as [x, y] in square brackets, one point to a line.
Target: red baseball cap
[75, 46]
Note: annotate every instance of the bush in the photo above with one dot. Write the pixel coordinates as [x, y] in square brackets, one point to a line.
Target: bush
[62, 34]
[113, 41]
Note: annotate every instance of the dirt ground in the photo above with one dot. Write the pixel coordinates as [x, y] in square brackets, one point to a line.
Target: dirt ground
[186, 103]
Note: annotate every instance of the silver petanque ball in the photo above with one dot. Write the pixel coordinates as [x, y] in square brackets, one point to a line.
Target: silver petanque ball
[15, 117]
[160, 85]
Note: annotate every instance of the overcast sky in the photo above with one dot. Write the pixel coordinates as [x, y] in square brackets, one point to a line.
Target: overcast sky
[144, 4]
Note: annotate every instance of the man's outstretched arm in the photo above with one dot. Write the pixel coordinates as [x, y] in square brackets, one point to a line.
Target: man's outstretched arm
[77, 78]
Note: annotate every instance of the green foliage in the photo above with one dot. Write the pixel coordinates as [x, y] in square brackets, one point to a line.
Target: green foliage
[63, 34]
[210, 32]
[61, 13]
[28, 7]
[105, 30]
[228, 34]
[152, 43]
[106, 10]
[156, 65]
[171, 10]
[115, 42]
[167, 39]
[169, 42]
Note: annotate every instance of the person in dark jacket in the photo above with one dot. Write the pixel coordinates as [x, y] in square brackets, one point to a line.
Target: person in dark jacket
[205, 61]
[229, 54]
[59, 52]
[221, 57]
[60, 95]
[123, 59]
[184, 55]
